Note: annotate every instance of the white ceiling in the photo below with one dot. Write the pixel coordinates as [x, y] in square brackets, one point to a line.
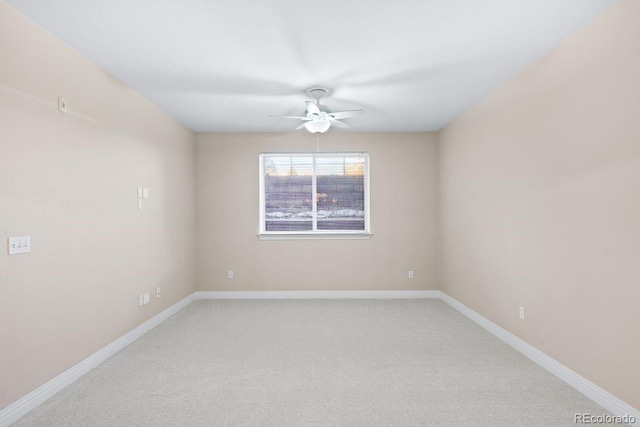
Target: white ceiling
[225, 66]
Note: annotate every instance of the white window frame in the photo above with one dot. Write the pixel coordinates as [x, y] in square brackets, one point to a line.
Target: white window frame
[318, 234]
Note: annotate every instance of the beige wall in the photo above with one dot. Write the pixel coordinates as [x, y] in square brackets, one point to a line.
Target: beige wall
[69, 181]
[540, 204]
[403, 217]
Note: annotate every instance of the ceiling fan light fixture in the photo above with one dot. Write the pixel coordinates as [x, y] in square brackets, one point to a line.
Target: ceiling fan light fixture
[319, 121]
[318, 126]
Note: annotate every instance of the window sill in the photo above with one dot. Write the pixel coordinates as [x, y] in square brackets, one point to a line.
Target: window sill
[313, 236]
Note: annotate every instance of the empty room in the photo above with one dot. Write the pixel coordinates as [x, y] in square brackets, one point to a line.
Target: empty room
[356, 213]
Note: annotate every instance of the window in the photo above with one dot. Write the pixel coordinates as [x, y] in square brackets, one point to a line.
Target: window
[314, 195]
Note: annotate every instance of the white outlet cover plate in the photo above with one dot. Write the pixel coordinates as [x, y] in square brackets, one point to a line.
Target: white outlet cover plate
[145, 193]
[62, 104]
[19, 245]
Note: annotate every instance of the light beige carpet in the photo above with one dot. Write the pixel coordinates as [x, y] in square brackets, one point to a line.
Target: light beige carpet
[316, 362]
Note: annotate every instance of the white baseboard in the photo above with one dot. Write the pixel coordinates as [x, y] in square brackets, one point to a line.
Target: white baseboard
[317, 294]
[20, 408]
[584, 386]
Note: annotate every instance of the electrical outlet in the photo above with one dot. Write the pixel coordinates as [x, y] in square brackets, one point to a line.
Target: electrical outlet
[522, 313]
[410, 274]
[230, 274]
[140, 299]
[157, 292]
[62, 104]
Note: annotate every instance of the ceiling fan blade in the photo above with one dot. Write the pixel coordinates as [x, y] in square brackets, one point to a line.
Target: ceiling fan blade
[346, 114]
[312, 108]
[339, 124]
[301, 126]
[291, 117]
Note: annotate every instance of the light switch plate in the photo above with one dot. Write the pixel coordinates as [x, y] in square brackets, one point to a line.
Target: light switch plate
[146, 298]
[19, 245]
[139, 192]
[145, 193]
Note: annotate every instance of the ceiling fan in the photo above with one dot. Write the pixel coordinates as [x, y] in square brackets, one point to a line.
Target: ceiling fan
[318, 121]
